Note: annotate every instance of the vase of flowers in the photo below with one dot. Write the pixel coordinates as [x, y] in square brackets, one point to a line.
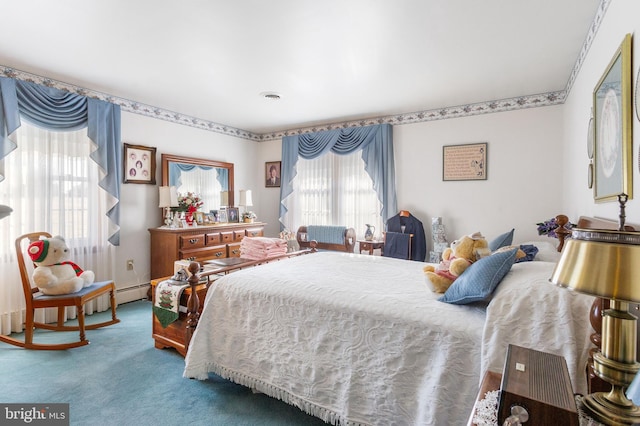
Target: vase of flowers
[189, 203]
[249, 217]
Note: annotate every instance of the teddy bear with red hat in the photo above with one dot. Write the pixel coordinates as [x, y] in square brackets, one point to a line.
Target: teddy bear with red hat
[54, 273]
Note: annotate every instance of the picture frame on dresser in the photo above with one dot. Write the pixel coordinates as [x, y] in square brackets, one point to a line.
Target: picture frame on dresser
[222, 215]
[233, 214]
[139, 164]
[612, 111]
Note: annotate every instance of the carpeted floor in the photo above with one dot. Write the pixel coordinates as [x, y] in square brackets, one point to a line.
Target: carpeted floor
[121, 379]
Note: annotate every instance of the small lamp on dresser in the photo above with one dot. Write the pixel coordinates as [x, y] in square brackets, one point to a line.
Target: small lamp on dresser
[606, 264]
[245, 199]
[168, 199]
[224, 198]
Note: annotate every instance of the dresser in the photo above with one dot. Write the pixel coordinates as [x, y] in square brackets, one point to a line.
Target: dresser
[197, 243]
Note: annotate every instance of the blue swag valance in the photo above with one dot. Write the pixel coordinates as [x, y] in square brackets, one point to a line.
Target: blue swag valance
[376, 143]
[57, 110]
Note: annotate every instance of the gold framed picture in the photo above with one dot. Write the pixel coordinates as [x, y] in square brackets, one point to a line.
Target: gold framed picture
[612, 112]
[464, 162]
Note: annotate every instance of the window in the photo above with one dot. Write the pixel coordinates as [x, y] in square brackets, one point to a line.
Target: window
[51, 184]
[334, 190]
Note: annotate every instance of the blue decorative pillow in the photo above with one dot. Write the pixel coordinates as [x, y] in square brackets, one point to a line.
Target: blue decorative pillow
[502, 240]
[479, 280]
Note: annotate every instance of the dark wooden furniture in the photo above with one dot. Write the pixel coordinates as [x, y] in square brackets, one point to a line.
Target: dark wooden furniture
[178, 334]
[35, 300]
[348, 245]
[173, 336]
[197, 244]
[370, 246]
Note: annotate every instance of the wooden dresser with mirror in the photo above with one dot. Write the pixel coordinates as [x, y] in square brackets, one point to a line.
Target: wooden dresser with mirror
[207, 178]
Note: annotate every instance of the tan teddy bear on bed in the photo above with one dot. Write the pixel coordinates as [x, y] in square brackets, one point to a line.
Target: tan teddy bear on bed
[455, 260]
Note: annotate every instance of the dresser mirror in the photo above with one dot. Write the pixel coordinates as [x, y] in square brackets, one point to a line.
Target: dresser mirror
[207, 178]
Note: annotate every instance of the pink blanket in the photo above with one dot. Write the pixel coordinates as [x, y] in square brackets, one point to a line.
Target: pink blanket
[256, 248]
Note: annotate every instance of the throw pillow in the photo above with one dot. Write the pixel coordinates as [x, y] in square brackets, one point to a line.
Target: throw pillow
[479, 280]
[502, 240]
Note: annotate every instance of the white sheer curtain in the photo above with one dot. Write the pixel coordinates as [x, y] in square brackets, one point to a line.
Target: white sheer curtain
[205, 184]
[333, 190]
[52, 185]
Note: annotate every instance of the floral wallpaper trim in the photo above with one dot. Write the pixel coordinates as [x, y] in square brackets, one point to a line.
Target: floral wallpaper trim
[521, 102]
[130, 106]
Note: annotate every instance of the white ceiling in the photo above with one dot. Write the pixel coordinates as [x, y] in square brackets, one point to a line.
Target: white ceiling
[331, 60]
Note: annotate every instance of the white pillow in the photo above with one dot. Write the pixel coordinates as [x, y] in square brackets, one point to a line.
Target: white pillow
[547, 250]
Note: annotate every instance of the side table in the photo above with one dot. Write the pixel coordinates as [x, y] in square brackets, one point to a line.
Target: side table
[371, 245]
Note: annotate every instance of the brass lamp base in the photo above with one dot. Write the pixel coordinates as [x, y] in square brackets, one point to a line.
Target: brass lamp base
[612, 408]
[616, 364]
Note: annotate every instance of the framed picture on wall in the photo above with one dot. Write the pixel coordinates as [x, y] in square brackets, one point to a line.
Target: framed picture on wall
[612, 112]
[272, 174]
[139, 164]
[464, 162]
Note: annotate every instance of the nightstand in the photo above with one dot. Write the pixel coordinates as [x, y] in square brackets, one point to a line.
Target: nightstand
[370, 246]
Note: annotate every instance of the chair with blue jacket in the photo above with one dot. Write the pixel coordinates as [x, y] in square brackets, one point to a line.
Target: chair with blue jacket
[405, 238]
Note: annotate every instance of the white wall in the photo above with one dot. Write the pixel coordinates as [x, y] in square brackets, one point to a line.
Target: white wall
[139, 202]
[523, 152]
[621, 18]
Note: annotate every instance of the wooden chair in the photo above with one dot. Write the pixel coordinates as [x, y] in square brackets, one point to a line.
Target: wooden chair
[36, 300]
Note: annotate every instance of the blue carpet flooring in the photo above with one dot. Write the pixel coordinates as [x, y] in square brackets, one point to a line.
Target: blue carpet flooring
[121, 379]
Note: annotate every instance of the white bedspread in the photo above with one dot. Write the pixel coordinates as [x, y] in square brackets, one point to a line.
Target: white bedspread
[352, 339]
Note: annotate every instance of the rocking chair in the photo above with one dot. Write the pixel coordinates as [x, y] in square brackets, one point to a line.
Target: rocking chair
[35, 300]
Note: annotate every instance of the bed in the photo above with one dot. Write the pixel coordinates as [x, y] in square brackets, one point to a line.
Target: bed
[360, 340]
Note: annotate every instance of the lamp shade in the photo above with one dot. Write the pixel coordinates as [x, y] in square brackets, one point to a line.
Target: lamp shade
[165, 196]
[173, 194]
[601, 263]
[245, 198]
[224, 198]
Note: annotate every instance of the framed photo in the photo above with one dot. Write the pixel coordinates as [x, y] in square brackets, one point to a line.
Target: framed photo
[222, 215]
[233, 215]
[464, 162]
[199, 217]
[139, 164]
[272, 174]
[612, 113]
